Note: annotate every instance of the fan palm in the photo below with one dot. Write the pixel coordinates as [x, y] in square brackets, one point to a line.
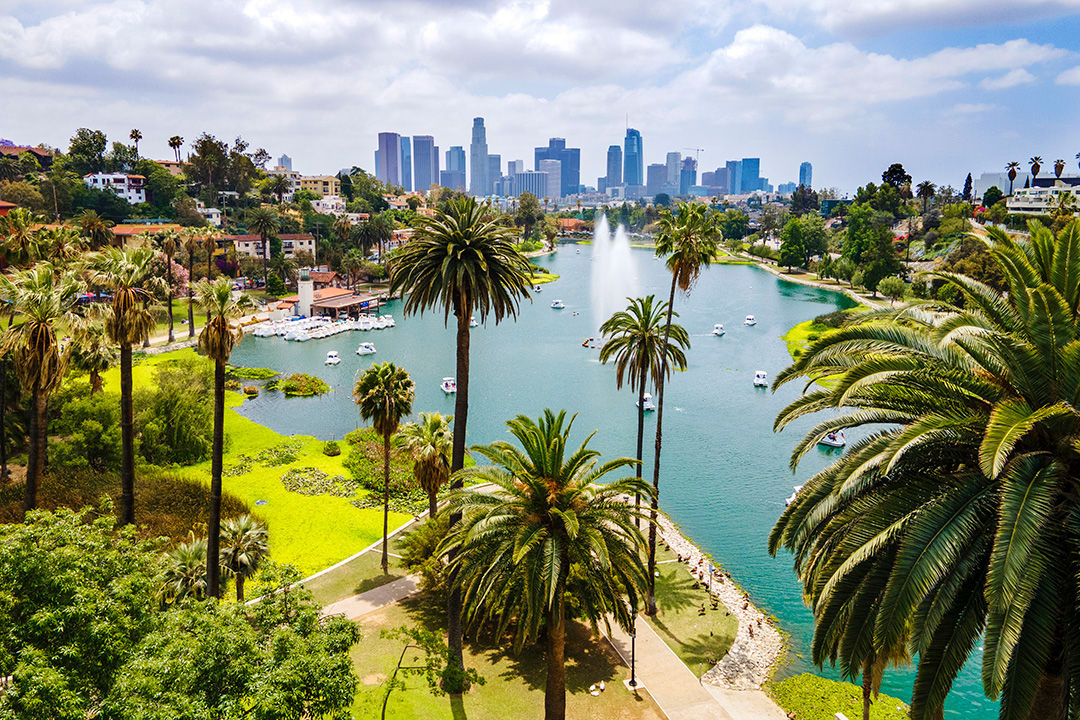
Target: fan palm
[430, 442]
[170, 243]
[185, 570]
[91, 349]
[190, 238]
[278, 185]
[129, 275]
[96, 229]
[925, 193]
[464, 262]
[688, 240]
[18, 231]
[1011, 169]
[264, 222]
[216, 341]
[136, 136]
[384, 394]
[176, 142]
[548, 533]
[1036, 165]
[635, 344]
[40, 298]
[244, 545]
[1059, 167]
[961, 514]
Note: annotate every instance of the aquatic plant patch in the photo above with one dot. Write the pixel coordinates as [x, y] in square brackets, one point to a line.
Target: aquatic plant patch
[246, 373]
[280, 454]
[312, 481]
[300, 385]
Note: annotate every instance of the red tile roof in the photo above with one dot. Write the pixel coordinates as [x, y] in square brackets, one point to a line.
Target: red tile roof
[323, 276]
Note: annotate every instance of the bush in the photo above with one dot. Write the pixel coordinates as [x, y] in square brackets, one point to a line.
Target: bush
[246, 373]
[530, 246]
[833, 320]
[251, 390]
[89, 430]
[330, 448]
[418, 552]
[175, 419]
[274, 285]
[233, 385]
[300, 385]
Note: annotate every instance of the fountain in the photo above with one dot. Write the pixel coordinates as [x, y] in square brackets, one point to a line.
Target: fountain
[614, 276]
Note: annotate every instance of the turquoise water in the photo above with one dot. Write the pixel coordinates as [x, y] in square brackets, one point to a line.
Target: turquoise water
[725, 473]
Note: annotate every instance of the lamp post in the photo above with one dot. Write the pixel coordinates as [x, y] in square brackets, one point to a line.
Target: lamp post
[633, 637]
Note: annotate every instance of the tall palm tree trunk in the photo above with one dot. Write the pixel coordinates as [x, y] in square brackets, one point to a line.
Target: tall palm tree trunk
[432, 505]
[457, 461]
[191, 299]
[127, 440]
[213, 530]
[1050, 695]
[95, 382]
[640, 439]
[867, 688]
[36, 460]
[650, 608]
[3, 419]
[265, 255]
[168, 299]
[555, 691]
[239, 587]
[385, 502]
[209, 276]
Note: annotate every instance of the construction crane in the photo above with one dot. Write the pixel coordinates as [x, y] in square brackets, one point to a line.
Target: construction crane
[697, 151]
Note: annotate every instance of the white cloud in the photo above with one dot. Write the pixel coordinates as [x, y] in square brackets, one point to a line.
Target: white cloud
[1019, 76]
[889, 15]
[1069, 77]
[971, 108]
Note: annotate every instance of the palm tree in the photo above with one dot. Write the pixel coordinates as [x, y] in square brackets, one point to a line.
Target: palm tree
[40, 298]
[635, 344]
[278, 185]
[688, 239]
[957, 510]
[210, 245]
[352, 263]
[1059, 167]
[384, 394]
[175, 142]
[1011, 168]
[343, 228]
[170, 242]
[190, 239]
[19, 232]
[91, 349]
[136, 136]
[244, 545]
[430, 442]
[264, 222]
[185, 570]
[549, 530]
[129, 275]
[1036, 165]
[216, 341]
[96, 229]
[925, 193]
[464, 262]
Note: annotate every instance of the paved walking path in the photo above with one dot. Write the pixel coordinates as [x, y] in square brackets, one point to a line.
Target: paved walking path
[356, 606]
[678, 692]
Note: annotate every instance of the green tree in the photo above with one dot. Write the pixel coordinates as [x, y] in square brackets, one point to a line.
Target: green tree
[128, 274]
[896, 176]
[23, 194]
[216, 341]
[687, 239]
[96, 229]
[528, 213]
[635, 343]
[464, 262]
[992, 196]
[892, 287]
[264, 222]
[244, 546]
[136, 136]
[792, 250]
[86, 151]
[804, 200]
[926, 193]
[430, 442]
[39, 298]
[91, 349]
[191, 240]
[384, 394]
[176, 142]
[959, 507]
[550, 530]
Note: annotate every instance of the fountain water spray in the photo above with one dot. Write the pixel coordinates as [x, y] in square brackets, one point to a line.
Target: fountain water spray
[614, 275]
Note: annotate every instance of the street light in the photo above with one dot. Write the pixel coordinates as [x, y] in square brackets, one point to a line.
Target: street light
[633, 637]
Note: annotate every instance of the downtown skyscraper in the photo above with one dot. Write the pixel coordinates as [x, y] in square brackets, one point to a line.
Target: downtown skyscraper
[614, 166]
[425, 161]
[633, 159]
[806, 174]
[479, 184]
[569, 164]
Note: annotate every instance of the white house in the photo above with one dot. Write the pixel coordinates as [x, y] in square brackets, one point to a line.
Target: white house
[329, 205]
[1043, 200]
[212, 214]
[130, 187]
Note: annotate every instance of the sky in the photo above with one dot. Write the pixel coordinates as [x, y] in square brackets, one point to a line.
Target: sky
[946, 87]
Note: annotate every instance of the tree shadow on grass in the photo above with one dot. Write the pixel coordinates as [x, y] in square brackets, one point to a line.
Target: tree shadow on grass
[378, 581]
[703, 651]
[675, 591]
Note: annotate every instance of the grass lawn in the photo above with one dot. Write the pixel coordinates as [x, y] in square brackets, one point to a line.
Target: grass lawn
[309, 531]
[539, 278]
[799, 337]
[513, 687]
[811, 697]
[699, 640]
[358, 575]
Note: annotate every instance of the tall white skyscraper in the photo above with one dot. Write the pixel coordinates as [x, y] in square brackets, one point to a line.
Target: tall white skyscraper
[674, 166]
[553, 168]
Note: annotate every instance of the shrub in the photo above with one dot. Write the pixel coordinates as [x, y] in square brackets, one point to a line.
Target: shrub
[834, 319]
[300, 385]
[89, 430]
[418, 552]
[331, 448]
[246, 373]
[251, 390]
[175, 419]
[233, 385]
[274, 285]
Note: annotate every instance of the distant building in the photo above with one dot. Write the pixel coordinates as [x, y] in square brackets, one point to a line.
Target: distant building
[130, 187]
[329, 205]
[321, 184]
[673, 161]
[806, 174]
[425, 162]
[614, 167]
[787, 188]
[1000, 180]
[494, 170]
[453, 179]
[687, 175]
[406, 163]
[734, 177]
[175, 169]
[43, 156]
[569, 160]
[1044, 198]
[655, 179]
[751, 175]
[633, 159]
[721, 181]
[514, 167]
[531, 181]
[478, 160]
[212, 214]
[388, 159]
[601, 184]
[291, 243]
[553, 168]
[455, 159]
[285, 161]
[292, 176]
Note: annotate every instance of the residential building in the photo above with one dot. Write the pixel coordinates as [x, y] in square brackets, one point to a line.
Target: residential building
[478, 163]
[453, 179]
[292, 176]
[175, 169]
[285, 161]
[614, 166]
[569, 160]
[321, 184]
[43, 156]
[633, 158]
[406, 163]
[806, 174]
[425, 162]
[687, 175]
[553, 169]
[494, 170]
[329, 205]
[531, 181]
[212, 214]
[1045, 198]
[455, 159]
[388, 159]
[130, 187]
[291, 243]
[655, 179]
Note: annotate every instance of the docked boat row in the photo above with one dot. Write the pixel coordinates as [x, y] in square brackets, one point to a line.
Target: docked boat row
[315, 328]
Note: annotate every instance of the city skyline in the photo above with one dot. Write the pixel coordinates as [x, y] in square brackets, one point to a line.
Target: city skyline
[941, 87]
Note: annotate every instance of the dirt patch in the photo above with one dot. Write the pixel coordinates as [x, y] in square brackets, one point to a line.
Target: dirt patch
[373, 679]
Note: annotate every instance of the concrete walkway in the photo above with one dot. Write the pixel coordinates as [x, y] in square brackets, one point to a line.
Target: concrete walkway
[678, 692]
[356, 606]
